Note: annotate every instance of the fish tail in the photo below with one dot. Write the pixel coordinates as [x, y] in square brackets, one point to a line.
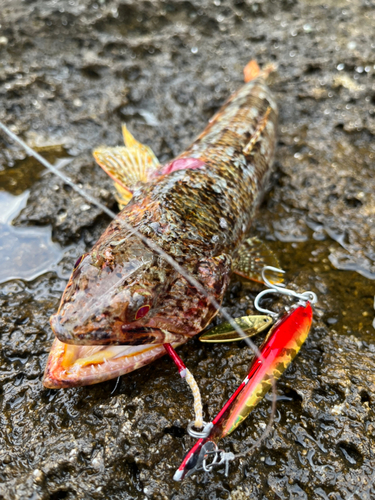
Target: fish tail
[252, 70]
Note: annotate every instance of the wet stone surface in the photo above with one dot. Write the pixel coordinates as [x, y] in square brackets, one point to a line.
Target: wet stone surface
[70, 73]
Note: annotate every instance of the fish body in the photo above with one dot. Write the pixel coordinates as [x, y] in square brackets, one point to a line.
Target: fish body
[198, 209]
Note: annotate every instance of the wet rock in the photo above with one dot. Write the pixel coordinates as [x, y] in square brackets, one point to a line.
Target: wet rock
[130, 441]
[54, 202]
[71, 73]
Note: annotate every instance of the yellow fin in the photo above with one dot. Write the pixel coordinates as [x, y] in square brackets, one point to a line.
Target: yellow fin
[252, 256]
[127, 165]
[129, 140]
[123, 196]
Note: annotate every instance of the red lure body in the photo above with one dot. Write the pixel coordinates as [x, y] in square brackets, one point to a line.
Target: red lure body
[277, 351]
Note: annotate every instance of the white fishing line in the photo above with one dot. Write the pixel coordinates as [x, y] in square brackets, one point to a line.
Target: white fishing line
[160, 252]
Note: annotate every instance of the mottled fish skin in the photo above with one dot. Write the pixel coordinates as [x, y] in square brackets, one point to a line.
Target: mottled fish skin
[198, 216]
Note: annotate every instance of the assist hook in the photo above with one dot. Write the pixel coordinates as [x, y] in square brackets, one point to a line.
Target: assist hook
[281, 289]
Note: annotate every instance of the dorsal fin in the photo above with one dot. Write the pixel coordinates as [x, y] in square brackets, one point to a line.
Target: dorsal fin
[127, 165]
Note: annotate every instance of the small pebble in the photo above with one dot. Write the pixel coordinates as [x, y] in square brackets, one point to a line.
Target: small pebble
[38, 476]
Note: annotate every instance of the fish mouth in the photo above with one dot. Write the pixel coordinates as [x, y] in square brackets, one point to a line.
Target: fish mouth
[155, 331]
[95, 357]
[75, 365]
[138, 335]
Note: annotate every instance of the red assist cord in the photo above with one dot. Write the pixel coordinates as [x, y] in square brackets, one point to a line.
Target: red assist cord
[176, 359]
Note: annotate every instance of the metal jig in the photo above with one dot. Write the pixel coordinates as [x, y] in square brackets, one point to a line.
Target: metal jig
[277, 351]
[281, 289]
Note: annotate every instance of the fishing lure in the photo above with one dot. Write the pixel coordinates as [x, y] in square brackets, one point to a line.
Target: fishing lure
[279, 348]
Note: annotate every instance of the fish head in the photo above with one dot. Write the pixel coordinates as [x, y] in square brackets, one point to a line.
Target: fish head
[102, 324]
[121, 304]
[116, 285]
[126, 294]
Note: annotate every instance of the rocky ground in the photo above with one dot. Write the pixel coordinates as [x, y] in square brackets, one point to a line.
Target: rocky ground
[70, 73]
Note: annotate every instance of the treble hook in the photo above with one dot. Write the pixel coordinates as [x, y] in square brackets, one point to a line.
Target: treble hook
[280, 288]
[220, 457]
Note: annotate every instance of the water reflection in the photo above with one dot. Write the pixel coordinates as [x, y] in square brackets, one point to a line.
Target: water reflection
[26, 252]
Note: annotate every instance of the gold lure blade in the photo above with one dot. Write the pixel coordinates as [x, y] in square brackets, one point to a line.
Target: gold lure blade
[251, 325]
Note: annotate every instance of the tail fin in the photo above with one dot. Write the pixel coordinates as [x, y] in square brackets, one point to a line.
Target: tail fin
[252, 71]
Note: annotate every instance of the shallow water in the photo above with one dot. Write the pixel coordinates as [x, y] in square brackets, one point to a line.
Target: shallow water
[26, 252]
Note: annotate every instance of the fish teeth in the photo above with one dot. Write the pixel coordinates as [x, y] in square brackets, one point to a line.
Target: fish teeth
[129, 350]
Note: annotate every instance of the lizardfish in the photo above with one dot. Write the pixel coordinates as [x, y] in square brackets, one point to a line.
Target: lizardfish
[122, 301]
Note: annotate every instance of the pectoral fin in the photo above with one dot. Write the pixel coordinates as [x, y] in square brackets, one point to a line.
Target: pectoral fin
[252, 256]
[127, 165]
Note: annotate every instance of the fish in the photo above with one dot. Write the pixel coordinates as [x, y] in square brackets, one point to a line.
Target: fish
[123, 301]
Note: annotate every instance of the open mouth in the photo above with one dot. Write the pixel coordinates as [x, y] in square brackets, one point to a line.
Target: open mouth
[75, 365]
[142, 335]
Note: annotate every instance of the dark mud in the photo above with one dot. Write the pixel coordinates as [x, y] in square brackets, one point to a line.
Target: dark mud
[70, 73]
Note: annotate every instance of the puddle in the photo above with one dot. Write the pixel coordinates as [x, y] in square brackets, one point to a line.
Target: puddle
[19, 178]
[347, 297]
[26, 252]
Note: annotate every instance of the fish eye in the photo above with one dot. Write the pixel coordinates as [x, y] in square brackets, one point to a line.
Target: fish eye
[142, 311]
[139, 305]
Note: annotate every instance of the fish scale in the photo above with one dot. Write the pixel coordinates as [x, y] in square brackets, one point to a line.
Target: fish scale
[245, 180]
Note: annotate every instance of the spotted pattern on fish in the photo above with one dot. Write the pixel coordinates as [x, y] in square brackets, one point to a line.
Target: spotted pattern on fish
[199, 216]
